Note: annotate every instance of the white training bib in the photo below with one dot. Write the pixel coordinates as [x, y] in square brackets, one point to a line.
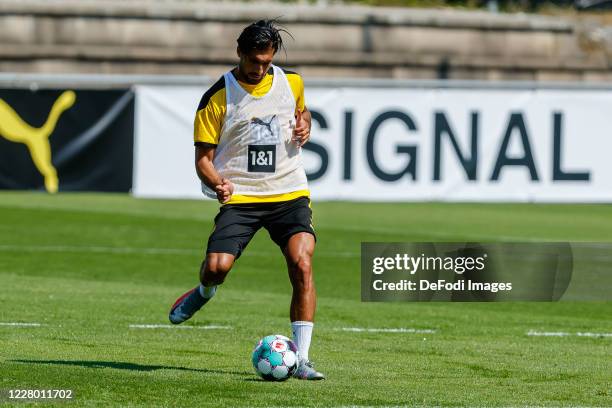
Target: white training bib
[255, 150]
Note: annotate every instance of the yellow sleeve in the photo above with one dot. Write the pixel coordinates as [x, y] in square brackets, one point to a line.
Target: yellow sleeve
[297, 86]
[209, 117]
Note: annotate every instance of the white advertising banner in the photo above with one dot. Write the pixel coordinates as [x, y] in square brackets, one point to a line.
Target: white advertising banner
[402, 144]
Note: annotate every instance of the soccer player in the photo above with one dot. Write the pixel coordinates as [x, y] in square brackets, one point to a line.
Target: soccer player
[249, 130]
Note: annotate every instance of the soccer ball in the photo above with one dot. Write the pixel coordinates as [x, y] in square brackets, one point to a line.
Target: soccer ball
[275, 358]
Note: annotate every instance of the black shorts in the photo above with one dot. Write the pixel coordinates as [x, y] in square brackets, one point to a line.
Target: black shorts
[236, 224]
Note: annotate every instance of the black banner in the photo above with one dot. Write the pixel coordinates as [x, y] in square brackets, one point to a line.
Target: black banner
[64, 140]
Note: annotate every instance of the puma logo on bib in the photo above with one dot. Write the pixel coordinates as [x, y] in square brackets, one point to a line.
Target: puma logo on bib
[265, 129]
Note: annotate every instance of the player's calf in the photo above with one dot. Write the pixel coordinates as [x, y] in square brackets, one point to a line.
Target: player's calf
[213, 271]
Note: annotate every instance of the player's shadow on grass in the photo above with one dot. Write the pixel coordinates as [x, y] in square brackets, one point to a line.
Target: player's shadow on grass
[127, 366]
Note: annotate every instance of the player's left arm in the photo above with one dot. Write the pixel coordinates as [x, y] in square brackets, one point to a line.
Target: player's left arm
[301, 133]
[303, 118]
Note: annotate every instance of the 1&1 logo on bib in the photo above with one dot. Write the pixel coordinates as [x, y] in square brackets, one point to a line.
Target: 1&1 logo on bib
[262, 158]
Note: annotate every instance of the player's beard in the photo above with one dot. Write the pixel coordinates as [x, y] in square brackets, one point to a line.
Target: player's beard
[245, 77]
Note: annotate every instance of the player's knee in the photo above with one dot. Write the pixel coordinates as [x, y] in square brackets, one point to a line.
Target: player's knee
[214, 275]
[215, 269]
[301, 271]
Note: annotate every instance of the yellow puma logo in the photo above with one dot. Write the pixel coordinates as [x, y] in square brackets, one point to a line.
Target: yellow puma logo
[13, 128]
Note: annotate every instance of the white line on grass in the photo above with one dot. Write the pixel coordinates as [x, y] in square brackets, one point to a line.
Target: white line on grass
[391, 230]
[372, 330]
[411, 232]
[146, 250]
[170, 326]
[15, 324]
[566, 334]
[100, 249]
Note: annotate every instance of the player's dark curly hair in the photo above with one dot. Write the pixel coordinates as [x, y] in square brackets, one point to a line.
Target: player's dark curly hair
[261, 35]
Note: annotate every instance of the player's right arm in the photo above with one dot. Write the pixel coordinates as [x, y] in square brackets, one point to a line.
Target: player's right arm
[207, 130]
[209, 176]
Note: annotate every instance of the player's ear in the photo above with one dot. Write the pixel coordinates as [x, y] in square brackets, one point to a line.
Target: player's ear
[238, 52]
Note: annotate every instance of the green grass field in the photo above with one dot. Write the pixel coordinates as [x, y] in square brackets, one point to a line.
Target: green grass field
[86, 267]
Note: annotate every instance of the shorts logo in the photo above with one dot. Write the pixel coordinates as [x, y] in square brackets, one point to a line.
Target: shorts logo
[262, 158]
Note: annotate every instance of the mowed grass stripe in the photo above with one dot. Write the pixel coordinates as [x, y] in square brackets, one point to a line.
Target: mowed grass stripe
[527, 221]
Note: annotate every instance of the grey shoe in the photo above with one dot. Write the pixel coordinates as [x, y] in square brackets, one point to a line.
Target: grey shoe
[306, 371]
[186, 306]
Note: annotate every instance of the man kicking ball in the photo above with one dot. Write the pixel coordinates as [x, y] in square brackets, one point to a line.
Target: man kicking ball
[249, 130]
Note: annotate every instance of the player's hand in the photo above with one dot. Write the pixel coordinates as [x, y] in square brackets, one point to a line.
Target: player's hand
[224, 190]
[301, 132]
